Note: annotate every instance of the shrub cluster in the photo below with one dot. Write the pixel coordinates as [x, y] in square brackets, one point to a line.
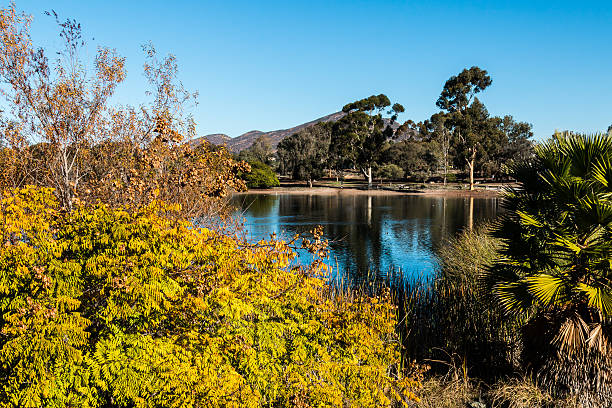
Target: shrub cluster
[261, 176]
[106, 307]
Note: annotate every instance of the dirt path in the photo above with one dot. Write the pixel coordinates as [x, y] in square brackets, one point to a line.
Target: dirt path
[375, 192]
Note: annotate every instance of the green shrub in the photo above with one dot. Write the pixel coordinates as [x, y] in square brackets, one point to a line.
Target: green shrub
[390, 172]
[261, 176]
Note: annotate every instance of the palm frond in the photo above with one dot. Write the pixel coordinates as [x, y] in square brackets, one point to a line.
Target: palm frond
[572, 334]
[546, 288]
[598, 297]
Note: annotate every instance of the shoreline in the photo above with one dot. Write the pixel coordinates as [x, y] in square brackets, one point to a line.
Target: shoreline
[326, 190]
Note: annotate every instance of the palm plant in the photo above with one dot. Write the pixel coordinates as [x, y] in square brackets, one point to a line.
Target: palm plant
[555, 270]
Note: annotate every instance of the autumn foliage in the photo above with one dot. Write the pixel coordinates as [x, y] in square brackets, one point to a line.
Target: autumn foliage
[60, 130]
[129, 308]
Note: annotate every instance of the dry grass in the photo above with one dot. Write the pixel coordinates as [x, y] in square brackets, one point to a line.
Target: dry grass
[519, 393]
[525, 393]
[453, 390]
[438, 392]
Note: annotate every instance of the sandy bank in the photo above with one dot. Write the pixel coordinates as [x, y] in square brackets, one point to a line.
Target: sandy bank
[374, 192]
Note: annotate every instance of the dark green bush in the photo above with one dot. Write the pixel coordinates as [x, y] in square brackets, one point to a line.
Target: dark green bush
[261, 176]
[390, 172]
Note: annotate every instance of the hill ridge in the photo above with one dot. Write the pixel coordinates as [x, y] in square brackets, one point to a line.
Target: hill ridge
[245, 140]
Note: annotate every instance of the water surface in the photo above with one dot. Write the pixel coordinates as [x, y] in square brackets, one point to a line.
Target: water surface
[369, 234]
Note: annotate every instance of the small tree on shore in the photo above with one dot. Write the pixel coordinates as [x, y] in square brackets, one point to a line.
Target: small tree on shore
[56, 102]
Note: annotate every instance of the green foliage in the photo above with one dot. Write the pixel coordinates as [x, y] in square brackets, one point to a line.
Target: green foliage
[259, 151]
[118, 308]
[305, 154]
[554, 273]
[260, 176]
[460, 90]
[412, 156]
[374, 102]
[389, 172]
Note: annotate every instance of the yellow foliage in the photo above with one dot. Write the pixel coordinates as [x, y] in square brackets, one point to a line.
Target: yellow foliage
[102, 307]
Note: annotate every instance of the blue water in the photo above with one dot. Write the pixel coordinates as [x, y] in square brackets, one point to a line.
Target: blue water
[369, 235]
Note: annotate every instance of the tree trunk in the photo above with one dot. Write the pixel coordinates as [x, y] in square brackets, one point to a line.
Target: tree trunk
[471, 166]
[471, 214]
[471, 162]
[445, 166]
[445, 154]
[310, 183]
[368, 175]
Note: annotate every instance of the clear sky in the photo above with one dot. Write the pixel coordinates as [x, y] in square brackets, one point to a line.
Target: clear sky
[270, 65]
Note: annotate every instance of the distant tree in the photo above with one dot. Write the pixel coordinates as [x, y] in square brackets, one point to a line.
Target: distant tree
[469, 119]
[359, 136]
[305, 153]
[259, 151]
[436, 131]
[518, 146]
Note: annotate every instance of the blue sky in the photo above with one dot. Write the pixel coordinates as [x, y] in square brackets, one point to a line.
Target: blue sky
[270, 65]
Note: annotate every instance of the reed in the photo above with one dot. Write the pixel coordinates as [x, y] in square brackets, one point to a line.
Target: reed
[448, 322]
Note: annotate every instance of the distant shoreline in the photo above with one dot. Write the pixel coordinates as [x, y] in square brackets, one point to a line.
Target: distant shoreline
[482, 193]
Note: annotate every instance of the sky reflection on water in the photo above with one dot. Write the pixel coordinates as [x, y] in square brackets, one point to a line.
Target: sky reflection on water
[370, 235]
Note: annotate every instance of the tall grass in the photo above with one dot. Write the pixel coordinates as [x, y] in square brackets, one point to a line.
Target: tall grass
[449, 322]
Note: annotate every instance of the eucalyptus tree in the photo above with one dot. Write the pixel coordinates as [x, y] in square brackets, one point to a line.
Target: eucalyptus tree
[457, 99]
[305, 154]
[436, 131]
[479, 141]
[359, 136]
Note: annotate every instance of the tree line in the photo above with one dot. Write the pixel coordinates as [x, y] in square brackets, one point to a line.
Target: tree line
[463, 135]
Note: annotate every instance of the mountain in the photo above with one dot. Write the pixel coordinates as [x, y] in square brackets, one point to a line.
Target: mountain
[217, 138]
[244, 141]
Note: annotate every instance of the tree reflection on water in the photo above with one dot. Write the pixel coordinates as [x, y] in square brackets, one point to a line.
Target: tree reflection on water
[370, 234]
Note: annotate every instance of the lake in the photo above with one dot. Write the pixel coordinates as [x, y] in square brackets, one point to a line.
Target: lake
[369, 234]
